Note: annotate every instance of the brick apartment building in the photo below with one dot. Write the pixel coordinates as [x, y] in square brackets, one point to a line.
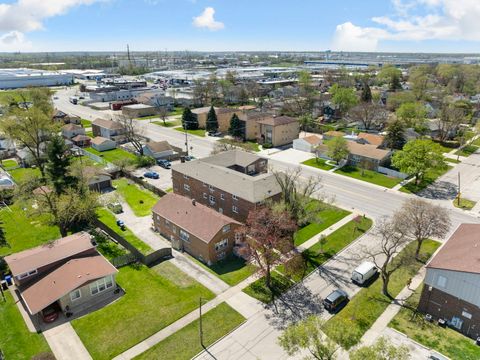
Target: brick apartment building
[451, 289]
[232, 182]
[195, 228]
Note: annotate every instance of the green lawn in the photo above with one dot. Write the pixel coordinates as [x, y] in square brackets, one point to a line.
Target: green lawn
[86, 123]
[429, 178]
[198, 132]
[140, 200]
[23, 231]
[444, 340]
[260, 291]
[318, 254]
[22, 174]
[231, 270]
[216, 323]
[150, 117]
[178, 110]
[168, 123]
[245, 145]
[465, 204]
[17, 342]
[369, 176]
[112, 155]
[476, 142]
[318, 163]
[467, 150]
[327, 218]
[453, 161]
[9, 163]
[369, 303]
[110, 220]
[89, 133]
[152, 302]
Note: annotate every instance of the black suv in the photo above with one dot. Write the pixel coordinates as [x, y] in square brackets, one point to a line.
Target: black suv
[335, 301]
[164, 164]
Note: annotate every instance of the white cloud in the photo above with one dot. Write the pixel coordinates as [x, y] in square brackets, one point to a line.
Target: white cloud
[206, 20]
[14, 41]
[443, 20]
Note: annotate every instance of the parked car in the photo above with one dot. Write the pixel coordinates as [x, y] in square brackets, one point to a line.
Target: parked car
[214, 133]
[50, 313]
[151, 175]
[364, 273]
[164, 164]
[189, 158]
[335, 301]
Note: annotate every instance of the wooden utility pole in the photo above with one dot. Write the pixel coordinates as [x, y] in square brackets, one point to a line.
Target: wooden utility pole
[200, 325]
[459, 192]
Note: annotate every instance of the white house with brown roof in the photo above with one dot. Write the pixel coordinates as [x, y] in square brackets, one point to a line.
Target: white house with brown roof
[68, 273]
[308, 143]
[367, 155]
[451, 288]
[103, 144]
[159, 150]
[195, 228]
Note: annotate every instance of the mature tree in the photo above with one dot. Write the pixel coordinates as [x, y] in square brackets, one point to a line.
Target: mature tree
[422, 220]
[344, 98]
[212, 122]
[417, 157]
[392, 241]
[394, 100]
[297, 195]
[370, 115]
[219, 147]
[305, 83]
[412, 113]
[420, 79]
[57, 166]
[305, 122]
[366, 95]
[298, 106]
[383, 349]
[236, 128]
[308, 335]
[395, 137]
[268, 239]
[390, 75]
[3, 238]
[338, 149]
[30, 128]
[124, 165]
[189, 120]
[133, 132]
[449, 121]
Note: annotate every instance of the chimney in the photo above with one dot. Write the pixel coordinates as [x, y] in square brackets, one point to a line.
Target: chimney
[194, 202]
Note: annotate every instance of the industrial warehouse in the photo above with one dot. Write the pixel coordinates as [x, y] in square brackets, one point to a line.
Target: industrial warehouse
[20, 78]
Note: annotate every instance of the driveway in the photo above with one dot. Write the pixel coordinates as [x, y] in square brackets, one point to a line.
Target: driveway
[165, 180]
[292, 156]
[65, 343]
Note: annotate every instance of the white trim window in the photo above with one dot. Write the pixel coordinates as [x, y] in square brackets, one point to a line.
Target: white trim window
[184, 235]
[101, 285]
[226, 228]
[185, 177]
[212, 199]
[211, 188]
[27, 274]
[75, 294]
[235, 209]
[234, 197]
[221, 245]
[205, 196]
[222, 197]
[186, 187]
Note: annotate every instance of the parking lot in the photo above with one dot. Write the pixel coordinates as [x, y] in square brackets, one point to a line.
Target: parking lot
[165, 180]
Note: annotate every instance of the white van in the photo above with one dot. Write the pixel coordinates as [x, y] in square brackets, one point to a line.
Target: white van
[364, 272]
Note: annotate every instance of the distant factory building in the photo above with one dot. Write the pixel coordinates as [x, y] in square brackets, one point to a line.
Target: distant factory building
[21, 78]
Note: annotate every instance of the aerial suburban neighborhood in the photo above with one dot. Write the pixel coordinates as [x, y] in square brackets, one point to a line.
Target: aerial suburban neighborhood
[254, 197]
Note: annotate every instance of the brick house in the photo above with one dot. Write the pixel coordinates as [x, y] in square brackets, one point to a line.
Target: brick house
[195, 228]
[68, 272]
[370, 155]
[224, 115]
[233, 182]
[451, 288]
[278, 131]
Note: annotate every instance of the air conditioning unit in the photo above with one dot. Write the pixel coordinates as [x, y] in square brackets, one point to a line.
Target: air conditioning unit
[429, 318]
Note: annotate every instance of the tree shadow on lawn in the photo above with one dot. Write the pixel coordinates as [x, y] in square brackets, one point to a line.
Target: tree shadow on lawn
[440, 190]
[296, 304]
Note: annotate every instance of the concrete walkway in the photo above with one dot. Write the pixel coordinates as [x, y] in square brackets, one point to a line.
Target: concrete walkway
[197, 272]
[378, 328]
[65, 343]
[314, 239]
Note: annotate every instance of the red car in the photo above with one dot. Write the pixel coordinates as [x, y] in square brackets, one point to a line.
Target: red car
[50, 313]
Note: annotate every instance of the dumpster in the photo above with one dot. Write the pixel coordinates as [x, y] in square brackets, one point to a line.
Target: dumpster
[9, 280]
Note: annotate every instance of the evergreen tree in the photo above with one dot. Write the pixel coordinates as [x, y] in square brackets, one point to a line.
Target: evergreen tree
[395, 138]
[236, 128]
[58, 163]
[366, 93]
[189, 120]
[212, 122]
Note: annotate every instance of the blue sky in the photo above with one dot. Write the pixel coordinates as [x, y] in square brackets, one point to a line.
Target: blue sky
[373, 25]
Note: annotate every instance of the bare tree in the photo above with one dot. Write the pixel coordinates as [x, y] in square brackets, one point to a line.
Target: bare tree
[449, 121]
[371, 115]
[132, 131]
[422, 220]
[392, 241]
[298, 195]
[219, 147]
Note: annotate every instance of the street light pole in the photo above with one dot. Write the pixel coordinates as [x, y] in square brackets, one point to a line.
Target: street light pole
[459, 193]
[201, 325]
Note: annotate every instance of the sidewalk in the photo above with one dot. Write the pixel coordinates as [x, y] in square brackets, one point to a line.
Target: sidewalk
[378, 328]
